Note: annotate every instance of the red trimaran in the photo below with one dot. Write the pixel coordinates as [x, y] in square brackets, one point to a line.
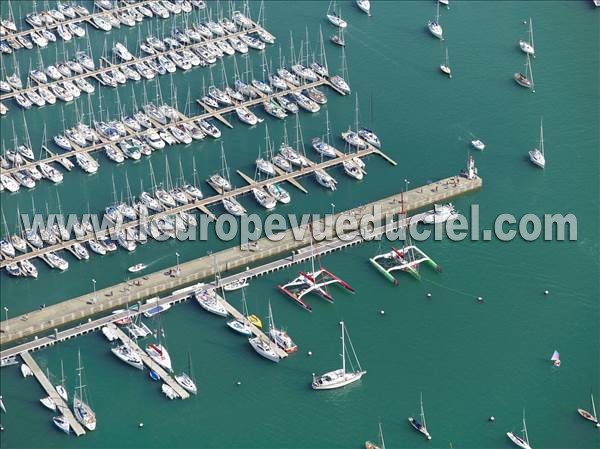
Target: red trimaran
[316, 281]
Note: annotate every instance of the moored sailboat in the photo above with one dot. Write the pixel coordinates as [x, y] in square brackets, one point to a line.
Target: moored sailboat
[420, 425]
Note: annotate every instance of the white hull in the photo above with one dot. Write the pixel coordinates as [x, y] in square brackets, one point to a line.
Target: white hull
[336, 379]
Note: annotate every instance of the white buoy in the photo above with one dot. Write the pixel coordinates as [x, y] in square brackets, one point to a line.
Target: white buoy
[429, 295]
[309, 353]
[382, 312]
[141, 425]
[480, 298]
[598, 425]
[546, 292]
[239, 383]
[492, 419]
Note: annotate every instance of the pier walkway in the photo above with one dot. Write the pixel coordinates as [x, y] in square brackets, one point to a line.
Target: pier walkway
[165, 377]
[117, 296]
[61, 406]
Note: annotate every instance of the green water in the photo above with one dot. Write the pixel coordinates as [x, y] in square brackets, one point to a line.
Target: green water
[469, 360]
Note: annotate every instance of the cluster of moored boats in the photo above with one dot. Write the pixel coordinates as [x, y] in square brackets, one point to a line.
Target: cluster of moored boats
[199, 45]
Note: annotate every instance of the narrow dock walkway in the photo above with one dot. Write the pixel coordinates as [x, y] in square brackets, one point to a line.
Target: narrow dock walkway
[61, 406]
[165, 377]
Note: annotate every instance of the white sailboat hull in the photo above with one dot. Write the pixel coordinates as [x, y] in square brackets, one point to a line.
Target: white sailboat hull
[336, 379]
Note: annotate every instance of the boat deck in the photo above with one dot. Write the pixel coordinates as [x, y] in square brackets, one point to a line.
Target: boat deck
[165, 377]
[61, 406]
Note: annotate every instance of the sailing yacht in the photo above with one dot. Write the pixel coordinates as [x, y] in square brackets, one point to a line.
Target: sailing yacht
[264, 199]
[159, 354]
[420, 426]
[279, 336]
[185, 380]
[60, 388]
[208, 301]
[527, 47]
[128, 355]
[325, 179]
[381, 445]
[334, 17]
[219, 181]
[233, 206]
[340, 377]
[62, 423]
[536, 156]
[83, 412]
[525, 80]
[522, 442]
[445, 66]
[242, 325]
[264, 348]
[593, 417]
[364, 6]
[278, 192]
[434, 25]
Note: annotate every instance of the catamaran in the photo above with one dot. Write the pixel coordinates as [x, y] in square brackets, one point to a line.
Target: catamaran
[83, 412]
[522, 442]
[527, 47]
[340, 377]
[536, 156]
[593, 417]
[420, 426]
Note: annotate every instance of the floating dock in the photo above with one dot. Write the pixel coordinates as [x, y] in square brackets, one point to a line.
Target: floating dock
[151, 364]
[61, 406]
[294, 251]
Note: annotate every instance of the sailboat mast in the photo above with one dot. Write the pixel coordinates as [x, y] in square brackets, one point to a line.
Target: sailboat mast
[542, 136]
[343, 349]
[525, 428]
[423, 413]
[593, 406]
[531, 32]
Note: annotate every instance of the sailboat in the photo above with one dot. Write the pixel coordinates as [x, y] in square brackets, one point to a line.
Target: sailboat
[381, 445]
[593, 417]
[420, 426]
[83, 412]
[185, 380]
[527, 47]
[158, 352]
[220, 181]
[555, 358]
[338, 39]
[340, 377]
[279, 336]
[434, 25]
[525, 80]
[522, 442]
[536, 156]
[445, 67]
[242, 325]
[334, 17]
[62, 423]
[364, 6]
[61, 390]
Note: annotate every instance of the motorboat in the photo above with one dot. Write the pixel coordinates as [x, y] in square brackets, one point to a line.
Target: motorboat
[478, 144]
[62, 423]
[279, 193]
[169, 392]
[264, 199]
[440, 214]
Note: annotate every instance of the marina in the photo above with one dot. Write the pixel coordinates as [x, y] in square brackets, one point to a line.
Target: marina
[204, 267]
[267, 213]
